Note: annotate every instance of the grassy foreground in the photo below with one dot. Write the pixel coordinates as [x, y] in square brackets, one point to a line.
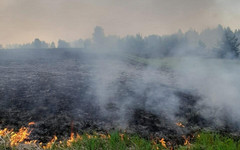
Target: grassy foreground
[120, 141]
[213, 141]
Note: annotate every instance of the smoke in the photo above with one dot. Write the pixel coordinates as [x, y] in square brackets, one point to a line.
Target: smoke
[111, 77]
[152, 83]
[216, 81]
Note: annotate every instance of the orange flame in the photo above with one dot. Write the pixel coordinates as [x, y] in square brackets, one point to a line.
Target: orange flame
[31, 123]
[163, 142]
[122, 136]
[89, 136]
[30, 142]
[187, 140]
[103, 136]
[50, 144]
[71, 139]
[5, 132]
[19, 137]
[180, 124]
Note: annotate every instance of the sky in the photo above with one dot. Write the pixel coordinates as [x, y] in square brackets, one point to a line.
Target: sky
[22, 21]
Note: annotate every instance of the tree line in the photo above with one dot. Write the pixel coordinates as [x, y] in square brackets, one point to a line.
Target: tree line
[217, 42]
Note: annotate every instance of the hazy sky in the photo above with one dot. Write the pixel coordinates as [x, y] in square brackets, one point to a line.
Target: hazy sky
[23, 20]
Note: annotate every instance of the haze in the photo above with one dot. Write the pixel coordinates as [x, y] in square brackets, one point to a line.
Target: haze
[23, 20]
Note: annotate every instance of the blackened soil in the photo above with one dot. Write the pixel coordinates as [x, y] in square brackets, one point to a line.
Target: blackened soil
[55, 88]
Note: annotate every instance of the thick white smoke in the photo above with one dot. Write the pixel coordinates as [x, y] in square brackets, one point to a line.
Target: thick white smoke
[154, 84]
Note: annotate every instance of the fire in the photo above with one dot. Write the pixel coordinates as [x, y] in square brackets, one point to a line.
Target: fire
[49, 144]
[69, 142]
[5, 132]
[103, 136]
[20, 136]
[73, 139]
[122, 136]
[89, 136]
[78, 137]
[31, 123]
[187, 140]
[16, 138]
[30, 142]
[163, 142]
[180, 124]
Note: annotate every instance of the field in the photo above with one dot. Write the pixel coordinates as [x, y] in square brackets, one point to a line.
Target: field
[112, 101]
[122, 141]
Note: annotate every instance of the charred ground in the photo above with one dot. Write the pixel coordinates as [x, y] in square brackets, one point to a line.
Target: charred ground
[54, 88]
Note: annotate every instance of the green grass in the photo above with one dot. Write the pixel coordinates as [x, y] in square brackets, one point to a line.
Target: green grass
[120, 141]
[112, 142]
[213, 141]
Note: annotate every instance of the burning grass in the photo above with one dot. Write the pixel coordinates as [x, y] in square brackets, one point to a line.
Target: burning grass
[212, 141]
[115, 140]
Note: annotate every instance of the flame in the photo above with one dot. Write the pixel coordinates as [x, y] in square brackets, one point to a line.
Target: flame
[31, 123]
[162, 141]
[89, 136]
[73, 139]
[187, 140]
[5, 132]
[103, 136]
[122, 136]
[78, 138]
[180, 124]
[30, 142]
[50, 144]
[15, 138]
[20, 136]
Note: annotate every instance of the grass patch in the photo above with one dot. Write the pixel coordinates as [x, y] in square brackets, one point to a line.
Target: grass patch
[113, 141]
[212, 141]
[122, 141]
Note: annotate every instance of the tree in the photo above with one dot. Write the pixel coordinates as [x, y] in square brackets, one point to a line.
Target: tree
[63, 44]
[77, 44]
[98, 35]
[52, 45]
[38, 44]
[229, 46]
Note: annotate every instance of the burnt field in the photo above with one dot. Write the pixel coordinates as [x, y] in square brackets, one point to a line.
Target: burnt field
[63, 90]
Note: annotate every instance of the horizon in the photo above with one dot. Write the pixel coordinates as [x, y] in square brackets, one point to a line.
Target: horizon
[108, 35]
